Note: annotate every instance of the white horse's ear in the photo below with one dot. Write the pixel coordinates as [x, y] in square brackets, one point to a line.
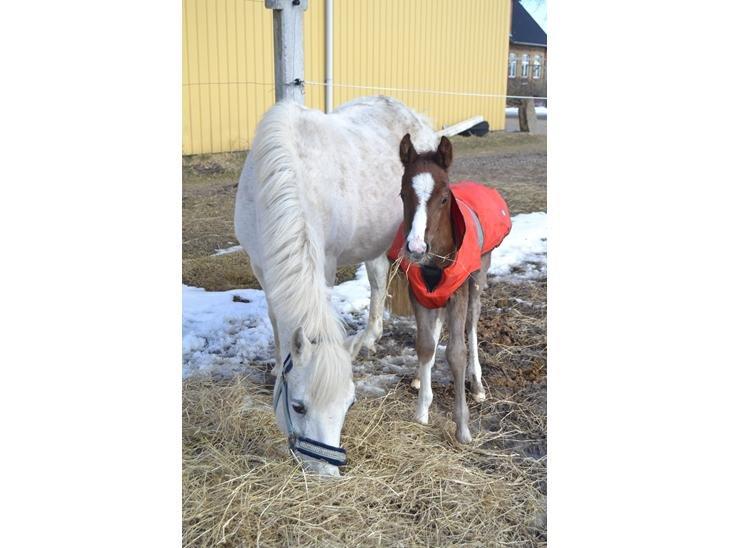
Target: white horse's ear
[300, 345]
[353, 343]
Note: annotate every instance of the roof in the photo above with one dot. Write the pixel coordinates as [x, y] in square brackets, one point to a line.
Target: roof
[525, 29]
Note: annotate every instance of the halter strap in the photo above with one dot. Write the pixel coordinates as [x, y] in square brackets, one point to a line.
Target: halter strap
[312, 448]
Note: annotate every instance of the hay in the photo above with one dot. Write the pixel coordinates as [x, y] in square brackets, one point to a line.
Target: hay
[398, 301]
[405, 484]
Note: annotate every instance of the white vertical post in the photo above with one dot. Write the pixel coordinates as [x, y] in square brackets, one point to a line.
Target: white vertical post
[288, 48]
[329, 51]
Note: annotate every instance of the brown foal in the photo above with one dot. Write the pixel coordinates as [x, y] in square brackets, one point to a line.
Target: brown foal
[430, 242]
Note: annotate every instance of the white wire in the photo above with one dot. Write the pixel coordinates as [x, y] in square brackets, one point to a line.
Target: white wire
[380, 88]
[406, 90]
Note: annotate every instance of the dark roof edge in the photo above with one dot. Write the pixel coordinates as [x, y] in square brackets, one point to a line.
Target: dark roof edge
[528, 44]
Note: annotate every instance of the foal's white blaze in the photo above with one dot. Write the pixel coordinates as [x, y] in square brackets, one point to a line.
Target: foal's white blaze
[423, 187]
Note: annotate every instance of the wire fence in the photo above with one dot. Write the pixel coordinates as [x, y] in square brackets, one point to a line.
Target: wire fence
[373, 88]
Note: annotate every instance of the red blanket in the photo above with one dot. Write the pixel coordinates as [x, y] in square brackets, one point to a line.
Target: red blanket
[481, 218]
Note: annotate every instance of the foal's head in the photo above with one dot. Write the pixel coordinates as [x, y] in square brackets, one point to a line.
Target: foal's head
[426, 201]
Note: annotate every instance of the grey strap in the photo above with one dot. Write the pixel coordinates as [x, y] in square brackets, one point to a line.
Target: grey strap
[477, 224]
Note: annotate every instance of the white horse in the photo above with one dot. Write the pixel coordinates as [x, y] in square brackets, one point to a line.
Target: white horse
[317, 192]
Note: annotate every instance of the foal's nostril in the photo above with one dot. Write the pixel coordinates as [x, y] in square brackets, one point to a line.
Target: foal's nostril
[417, 249]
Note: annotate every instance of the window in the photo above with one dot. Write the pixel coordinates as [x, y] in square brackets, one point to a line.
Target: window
[537, 68]
[525, 66]
[512, 65]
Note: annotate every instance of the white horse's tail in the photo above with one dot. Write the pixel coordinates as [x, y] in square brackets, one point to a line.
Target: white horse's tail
[294, 255]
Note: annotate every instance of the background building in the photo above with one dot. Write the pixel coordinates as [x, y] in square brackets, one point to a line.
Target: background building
[445, 59]
[527, 62]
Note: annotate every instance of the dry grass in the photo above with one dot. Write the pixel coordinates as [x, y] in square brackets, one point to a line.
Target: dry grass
[499, 142]
[406, 484]
[220, 273]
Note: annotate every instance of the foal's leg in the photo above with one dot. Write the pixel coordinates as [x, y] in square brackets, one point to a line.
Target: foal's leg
[477, 283]
[378, 277]
[456, 356]
[428, 331]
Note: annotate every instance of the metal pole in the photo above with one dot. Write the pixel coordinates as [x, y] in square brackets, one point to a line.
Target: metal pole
[329, 50]
[288, 48]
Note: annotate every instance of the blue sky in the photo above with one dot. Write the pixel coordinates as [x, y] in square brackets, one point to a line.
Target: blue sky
[538, 10]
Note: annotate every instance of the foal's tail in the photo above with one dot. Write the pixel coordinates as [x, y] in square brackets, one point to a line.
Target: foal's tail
[294, 255]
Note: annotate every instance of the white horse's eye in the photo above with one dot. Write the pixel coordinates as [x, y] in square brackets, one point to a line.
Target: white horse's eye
[299, 408]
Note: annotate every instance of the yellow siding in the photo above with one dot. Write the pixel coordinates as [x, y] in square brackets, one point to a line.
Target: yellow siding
[454, 46]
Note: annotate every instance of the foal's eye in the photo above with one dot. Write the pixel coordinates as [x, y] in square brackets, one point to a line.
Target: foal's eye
[299, 408]
[444, 200]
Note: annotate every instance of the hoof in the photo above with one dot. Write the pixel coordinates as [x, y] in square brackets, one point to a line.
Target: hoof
[416, 383]
[463, 436]
[422, 418]
[369, 341]
[479, 396]
[369, 345]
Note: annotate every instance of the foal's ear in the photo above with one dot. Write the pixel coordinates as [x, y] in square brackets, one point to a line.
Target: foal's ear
[407, 152]
[444, 153]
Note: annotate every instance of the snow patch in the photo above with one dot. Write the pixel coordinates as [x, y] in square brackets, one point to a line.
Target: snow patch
[222, 336]
[523, 253]
[227, 250]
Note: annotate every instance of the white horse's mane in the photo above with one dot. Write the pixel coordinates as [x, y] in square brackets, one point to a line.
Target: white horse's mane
[294, 252]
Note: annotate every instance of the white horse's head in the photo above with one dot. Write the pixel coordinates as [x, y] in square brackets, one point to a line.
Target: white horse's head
[319, 392]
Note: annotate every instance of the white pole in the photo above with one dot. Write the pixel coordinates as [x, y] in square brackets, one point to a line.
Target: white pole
[329, 51]
[288, 48]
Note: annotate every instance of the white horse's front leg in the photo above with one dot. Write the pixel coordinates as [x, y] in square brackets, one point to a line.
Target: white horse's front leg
[378, 276]
[277, 349]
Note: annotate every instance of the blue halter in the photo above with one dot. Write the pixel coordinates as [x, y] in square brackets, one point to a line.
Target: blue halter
[312, 448]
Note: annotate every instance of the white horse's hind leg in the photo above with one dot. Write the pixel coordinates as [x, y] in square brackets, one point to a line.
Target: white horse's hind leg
[378, 276]
[477, 284]
[472, 320]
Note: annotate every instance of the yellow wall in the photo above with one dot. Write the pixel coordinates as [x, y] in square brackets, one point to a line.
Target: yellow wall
[437, 45]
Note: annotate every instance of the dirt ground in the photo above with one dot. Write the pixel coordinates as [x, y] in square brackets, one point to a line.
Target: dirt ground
[512, 329]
